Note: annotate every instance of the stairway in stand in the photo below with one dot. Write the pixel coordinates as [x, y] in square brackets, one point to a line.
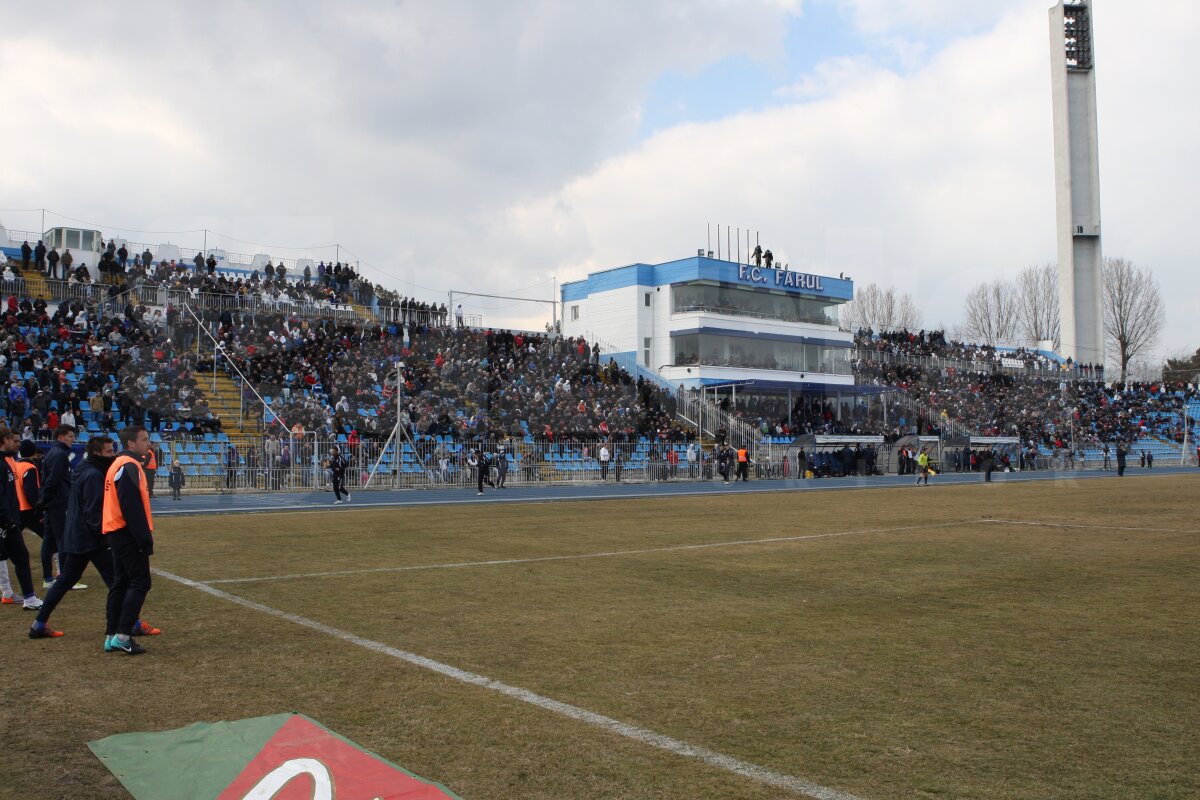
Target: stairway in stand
[225, 406]
[36, 285]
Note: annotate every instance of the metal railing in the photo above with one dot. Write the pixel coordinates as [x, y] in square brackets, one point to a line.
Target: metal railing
[988, 365]
[301, 463]
[710, 420]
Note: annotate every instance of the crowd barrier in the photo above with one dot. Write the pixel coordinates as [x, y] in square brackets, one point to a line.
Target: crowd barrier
[301, 464]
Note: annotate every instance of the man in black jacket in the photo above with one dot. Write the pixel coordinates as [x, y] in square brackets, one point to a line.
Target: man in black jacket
[12, 542]
[56, 485]
[337, 472]
[80, 541]
[128, 527]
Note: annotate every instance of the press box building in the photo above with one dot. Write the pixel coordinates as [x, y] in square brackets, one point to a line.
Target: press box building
[702, 321]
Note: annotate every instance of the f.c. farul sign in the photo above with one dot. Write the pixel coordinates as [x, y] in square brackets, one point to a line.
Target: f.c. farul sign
[780, 278]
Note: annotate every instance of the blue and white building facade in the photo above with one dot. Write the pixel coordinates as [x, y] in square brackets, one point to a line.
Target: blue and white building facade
[701, 321]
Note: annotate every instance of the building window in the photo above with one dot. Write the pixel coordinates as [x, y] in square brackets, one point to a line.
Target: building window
[647, 299]
[714, 298]
[715, 350]
[646, 349]
[574, 313]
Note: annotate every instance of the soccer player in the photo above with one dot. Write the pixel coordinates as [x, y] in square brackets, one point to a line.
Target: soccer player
[128, 528]
[28, 485]
[82, 542]
[12, 543]
[56, 485]
[337, 471]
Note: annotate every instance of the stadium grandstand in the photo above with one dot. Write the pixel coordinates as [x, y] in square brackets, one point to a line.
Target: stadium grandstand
[249, 371]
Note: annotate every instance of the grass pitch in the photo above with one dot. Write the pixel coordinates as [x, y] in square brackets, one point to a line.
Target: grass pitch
[922, 652]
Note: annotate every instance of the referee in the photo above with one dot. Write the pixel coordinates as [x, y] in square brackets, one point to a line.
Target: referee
[337, 471]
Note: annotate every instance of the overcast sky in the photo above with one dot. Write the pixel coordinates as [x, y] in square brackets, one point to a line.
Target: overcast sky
[495, 146]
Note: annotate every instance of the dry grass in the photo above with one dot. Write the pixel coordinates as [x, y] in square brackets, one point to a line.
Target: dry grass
[955, 659]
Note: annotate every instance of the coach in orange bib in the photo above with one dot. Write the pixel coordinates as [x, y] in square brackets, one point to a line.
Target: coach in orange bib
[129, 530]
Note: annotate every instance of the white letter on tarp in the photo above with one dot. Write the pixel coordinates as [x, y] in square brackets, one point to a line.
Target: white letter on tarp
[270, 785]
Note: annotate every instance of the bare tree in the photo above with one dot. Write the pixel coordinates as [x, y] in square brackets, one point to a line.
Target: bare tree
[1134, 313]
[881, 310]
[1037, 303]
[1183, 368]
[991, 314]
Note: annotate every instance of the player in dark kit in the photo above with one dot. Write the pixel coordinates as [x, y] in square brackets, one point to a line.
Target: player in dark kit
[81, 540]
[12, 542]
[56, 485]
[29, 491]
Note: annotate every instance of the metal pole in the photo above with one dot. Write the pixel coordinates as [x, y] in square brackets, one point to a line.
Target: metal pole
[554, 303]
[739, 249]
[206, 241]
[44, 222]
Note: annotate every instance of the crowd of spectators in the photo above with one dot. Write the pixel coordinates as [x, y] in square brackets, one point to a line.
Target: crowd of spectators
[1045, 412]
[926, 344]
[328, 377]
[114, 362]
[327, 285]
[772, 416]
[338, 378]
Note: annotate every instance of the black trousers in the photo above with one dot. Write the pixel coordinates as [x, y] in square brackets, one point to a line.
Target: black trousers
[71, 568]
[484, 477]
[15, 550]
[32, 522]
[150, 473]
[130, 583]
[501, 476]
[603, 470]
[339, 486]
[743, 471]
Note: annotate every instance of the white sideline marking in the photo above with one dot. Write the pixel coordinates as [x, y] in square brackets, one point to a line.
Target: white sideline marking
[1043, 524]
[609, 554]
[643, 735]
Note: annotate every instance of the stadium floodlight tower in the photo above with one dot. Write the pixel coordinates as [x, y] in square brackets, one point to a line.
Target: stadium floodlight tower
[1077, 181]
